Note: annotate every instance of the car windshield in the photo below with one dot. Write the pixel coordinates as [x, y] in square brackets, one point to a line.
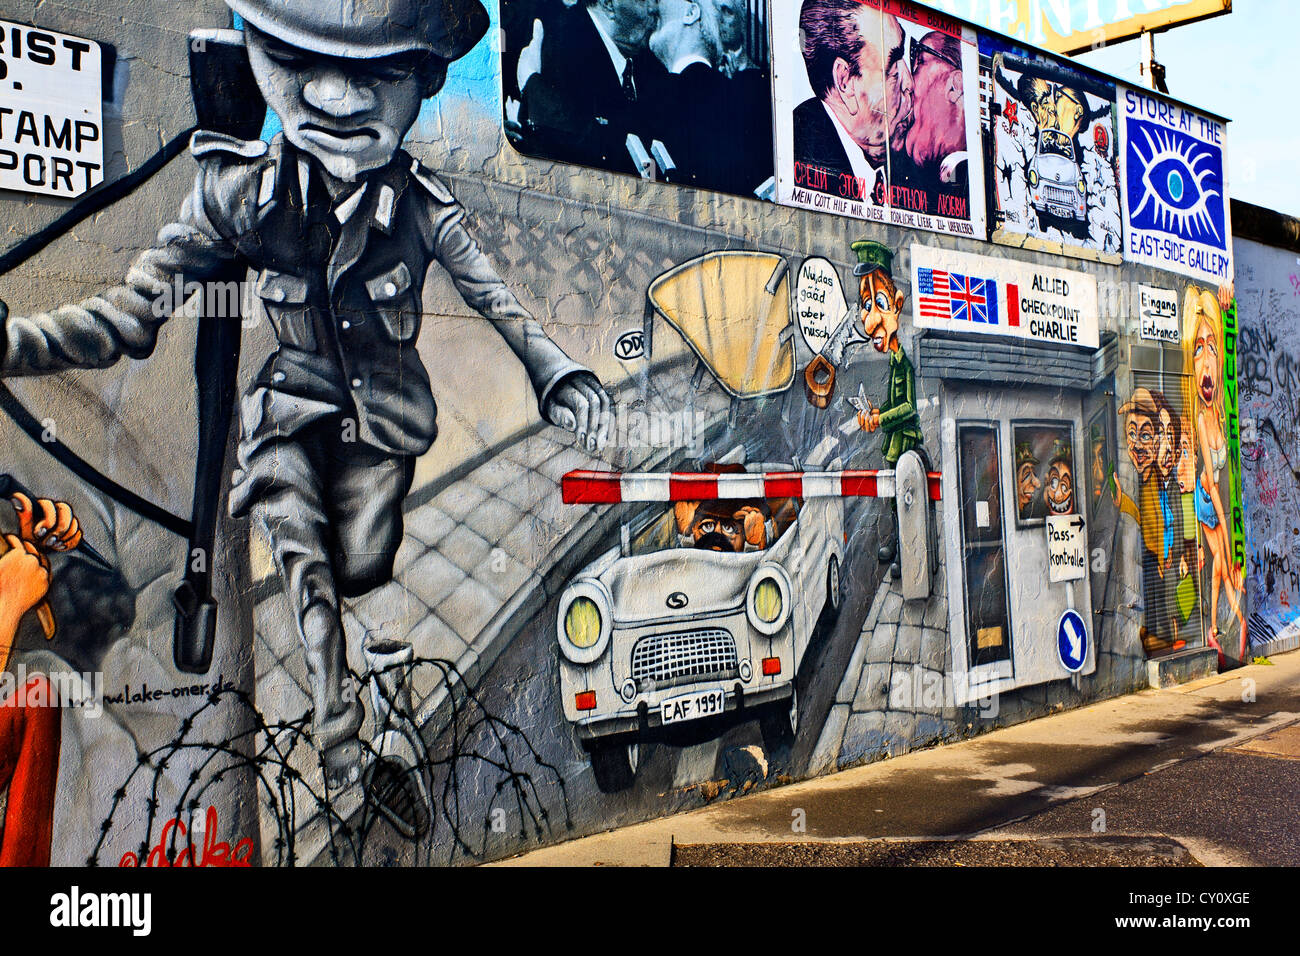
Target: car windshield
[1055, 143]
[736, 526]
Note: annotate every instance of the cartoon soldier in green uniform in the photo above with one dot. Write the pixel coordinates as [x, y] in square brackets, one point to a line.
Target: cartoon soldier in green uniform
[881, 304]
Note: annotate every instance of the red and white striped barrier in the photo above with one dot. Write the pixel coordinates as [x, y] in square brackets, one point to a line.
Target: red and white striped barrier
[614, 487]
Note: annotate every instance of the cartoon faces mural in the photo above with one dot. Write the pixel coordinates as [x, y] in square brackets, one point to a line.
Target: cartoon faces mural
[1053, 167]
[1044, 472]
[1175, 432]
[656, 512]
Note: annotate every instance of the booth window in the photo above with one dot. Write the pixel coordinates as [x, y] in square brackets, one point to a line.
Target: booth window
[1045, 475]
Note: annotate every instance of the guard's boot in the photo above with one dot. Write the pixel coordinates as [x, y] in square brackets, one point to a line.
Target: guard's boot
[394, 780]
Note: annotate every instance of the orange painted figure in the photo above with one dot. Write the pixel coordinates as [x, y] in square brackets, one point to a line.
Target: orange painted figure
[30, 719]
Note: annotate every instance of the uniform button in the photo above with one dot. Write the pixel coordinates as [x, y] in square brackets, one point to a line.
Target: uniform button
[356, 383]
[277, 377]
[390, 289]
[346, 324]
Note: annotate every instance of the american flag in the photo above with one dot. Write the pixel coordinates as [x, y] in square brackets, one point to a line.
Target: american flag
[954, 297]
[932, 294]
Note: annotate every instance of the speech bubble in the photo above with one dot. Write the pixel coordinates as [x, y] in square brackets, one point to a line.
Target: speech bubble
[818, 302]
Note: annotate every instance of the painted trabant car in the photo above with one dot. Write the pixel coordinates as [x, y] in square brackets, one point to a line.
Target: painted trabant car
[664, 629]
[1056, 183]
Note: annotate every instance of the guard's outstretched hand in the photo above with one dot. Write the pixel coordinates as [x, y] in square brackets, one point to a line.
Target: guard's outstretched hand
[580, 404]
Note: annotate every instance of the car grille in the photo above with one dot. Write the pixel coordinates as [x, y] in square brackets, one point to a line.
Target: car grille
[1059, 195]
[664, 660]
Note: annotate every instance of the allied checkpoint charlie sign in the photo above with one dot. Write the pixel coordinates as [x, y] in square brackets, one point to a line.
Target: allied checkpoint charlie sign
[959, 292]
[51, 117]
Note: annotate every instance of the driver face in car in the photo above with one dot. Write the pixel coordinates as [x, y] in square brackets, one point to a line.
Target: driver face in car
[726, 526]
[718, 533]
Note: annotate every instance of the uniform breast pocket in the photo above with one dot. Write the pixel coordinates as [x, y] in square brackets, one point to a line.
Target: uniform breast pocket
[393, 298]
[285, 299]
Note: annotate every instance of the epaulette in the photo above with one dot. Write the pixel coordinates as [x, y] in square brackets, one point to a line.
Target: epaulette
[239, 179]
[432, 183]
[205, 141]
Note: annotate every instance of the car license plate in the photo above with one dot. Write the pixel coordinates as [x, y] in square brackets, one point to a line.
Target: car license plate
[705, 703]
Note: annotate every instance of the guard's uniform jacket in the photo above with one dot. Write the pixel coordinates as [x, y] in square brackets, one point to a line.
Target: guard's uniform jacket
[898, 418]
[341, 281]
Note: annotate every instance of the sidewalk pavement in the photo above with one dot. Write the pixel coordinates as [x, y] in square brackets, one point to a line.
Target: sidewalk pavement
[1209, 770]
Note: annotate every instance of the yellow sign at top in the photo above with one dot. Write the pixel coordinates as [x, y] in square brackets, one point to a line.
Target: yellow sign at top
[1072, 26]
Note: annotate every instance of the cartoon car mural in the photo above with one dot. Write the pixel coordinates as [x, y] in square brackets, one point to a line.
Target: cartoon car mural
[663, 630]
[1056, 184]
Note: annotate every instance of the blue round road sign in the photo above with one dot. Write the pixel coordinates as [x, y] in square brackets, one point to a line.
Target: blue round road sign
[1072, 641]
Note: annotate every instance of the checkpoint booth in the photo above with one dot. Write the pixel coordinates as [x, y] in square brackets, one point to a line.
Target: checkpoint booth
[1015, 348]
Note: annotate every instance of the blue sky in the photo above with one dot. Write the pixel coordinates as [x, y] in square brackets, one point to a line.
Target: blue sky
[1244, 66]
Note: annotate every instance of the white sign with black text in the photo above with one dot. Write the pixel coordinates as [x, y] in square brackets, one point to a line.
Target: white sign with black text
[961, 292]
[1158, 313]
[51, 115]
[1067, 548]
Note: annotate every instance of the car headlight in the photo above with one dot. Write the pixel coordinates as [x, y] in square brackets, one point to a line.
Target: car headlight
[1033, 177]
[767, 600]
[584, 621]
[1082, 187]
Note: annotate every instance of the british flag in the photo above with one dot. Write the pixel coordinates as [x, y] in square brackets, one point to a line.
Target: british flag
[951, 296]
[974, 300]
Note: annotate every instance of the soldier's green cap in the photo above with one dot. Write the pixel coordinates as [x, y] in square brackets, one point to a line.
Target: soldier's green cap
[1061, 452]
[1025, 455]
[873, 256]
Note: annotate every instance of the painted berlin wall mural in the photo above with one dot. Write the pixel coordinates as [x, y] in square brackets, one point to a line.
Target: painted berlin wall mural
[875, 114]
[1053, 159]
[530, 499]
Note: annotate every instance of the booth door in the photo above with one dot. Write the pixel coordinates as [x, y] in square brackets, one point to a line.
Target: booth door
[1012, 470]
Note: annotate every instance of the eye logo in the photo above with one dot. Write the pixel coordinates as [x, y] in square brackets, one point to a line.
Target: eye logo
[1175, 185]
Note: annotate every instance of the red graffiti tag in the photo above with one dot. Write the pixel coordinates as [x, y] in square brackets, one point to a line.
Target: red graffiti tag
[214, 853]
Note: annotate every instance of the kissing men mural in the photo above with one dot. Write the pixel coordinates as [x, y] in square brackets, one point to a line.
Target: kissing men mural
[875, 119]
[718, 496]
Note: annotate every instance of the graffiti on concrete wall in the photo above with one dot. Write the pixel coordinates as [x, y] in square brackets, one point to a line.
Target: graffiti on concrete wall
[1270, 437]
[530, 499]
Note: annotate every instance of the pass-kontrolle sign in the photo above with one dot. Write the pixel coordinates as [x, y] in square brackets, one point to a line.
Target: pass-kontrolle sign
[1067, 555]
[51, 116]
